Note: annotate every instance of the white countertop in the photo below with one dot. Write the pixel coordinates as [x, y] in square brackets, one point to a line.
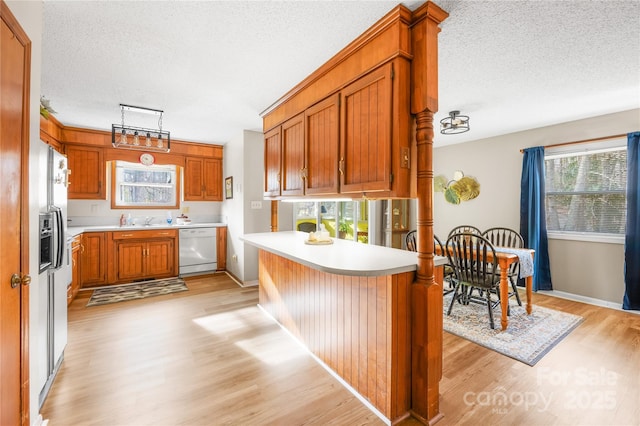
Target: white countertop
[342, 257]
[75, 230]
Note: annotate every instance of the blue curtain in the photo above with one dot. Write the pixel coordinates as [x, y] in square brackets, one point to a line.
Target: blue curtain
[533, 224]
[631, 299]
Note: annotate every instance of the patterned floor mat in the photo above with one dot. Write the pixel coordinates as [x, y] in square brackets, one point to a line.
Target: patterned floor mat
[140, 290]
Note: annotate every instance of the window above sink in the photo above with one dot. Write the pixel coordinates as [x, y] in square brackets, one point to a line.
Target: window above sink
[137, 186]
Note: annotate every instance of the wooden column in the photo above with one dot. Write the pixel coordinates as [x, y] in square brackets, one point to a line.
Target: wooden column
[426, 303]
[274, 216]
[426, 294]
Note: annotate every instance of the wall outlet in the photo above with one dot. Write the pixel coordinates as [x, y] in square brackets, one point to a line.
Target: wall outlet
[185, 209]
[234, 257]
[256, 204]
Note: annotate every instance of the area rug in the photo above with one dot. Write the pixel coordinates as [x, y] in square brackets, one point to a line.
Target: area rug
[138, 290]
[527, 338]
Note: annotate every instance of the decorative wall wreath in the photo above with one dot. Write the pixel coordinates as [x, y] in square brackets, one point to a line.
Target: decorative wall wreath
[460, 188]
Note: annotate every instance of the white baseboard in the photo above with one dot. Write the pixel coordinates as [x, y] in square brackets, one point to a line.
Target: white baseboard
[39, 421]
[253, 283]
[585, 299]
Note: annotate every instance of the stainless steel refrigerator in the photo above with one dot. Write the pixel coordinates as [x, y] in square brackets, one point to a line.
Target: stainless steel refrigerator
[55, 270]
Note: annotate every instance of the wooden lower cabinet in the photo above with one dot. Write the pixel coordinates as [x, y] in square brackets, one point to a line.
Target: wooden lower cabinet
[74, 286]
[143, 255]
[221, 247]
[94, 259]
[132, 255]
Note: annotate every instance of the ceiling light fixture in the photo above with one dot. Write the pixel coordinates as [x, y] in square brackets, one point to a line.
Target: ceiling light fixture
[129, 137]
[455, 123]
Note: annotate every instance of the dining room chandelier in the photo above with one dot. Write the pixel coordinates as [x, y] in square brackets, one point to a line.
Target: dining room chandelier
[140, 138]
[454, 123]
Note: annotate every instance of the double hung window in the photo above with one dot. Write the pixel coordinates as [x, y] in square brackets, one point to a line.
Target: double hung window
[585, 189]
[139, 186]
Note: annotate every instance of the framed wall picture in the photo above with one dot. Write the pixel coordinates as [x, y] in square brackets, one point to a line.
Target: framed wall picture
[228, 187]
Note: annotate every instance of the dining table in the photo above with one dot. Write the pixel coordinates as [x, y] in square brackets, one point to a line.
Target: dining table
[506, 256]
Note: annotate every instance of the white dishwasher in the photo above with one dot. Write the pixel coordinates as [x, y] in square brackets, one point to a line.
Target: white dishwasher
[198, 250]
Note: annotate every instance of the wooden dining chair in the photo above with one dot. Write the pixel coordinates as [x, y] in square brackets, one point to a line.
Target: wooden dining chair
[506, 237]
[410, 241]
[468, 255]
[448, 270]
[465, 228]
[307, 227]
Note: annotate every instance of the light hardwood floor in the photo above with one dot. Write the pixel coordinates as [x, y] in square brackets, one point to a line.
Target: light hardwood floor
[209, 356]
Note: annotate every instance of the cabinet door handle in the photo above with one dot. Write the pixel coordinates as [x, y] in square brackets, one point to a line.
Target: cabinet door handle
[341, 166]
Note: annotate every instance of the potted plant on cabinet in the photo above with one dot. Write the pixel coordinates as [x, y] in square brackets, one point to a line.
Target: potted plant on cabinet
[343, 228]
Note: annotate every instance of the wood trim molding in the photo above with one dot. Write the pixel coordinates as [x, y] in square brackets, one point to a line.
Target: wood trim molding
[10, 20]
[399, 13]
[58, 133]
[387, 40]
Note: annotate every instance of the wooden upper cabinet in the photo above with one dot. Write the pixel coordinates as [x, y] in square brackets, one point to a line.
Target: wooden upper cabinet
[272, 161]
[202, 179]
[292, 172]
[87, 173]
[365, 151]
[322, 145]
[284, 158]
[358, 104]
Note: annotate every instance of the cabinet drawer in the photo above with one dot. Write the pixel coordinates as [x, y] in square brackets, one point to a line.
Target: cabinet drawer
[155, 233]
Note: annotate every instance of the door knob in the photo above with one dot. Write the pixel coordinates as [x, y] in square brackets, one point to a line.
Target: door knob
[16, 280]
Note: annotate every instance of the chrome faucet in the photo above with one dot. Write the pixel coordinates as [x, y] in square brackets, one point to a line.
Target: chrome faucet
[147, 220]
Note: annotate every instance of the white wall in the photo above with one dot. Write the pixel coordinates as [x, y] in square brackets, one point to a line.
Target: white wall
[588, 269]
[29, 15]
[244, 160]
[257, 212]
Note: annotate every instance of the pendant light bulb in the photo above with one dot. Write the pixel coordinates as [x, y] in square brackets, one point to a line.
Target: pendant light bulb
[147, 140]
[136, 139]
[123, 137]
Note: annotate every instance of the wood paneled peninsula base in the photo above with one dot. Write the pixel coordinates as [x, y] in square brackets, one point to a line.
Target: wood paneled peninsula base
[350, 305]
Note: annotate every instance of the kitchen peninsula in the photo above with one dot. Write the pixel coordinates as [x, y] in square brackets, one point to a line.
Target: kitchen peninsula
[349, 304]
[361, 127]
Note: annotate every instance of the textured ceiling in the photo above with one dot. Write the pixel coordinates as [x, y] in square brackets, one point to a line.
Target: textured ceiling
[213, 66]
